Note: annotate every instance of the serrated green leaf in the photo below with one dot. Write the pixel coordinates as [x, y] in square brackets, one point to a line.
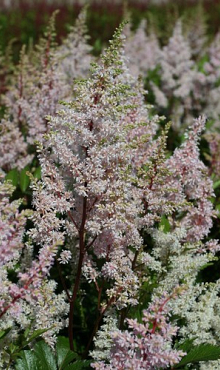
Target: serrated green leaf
[36, 334]
[79, 365]
[62, 348]
[203, 352]
[27, 362]
[24, 179]
[70, 356]
[13, 176]
[64, 355]
[186, 346]
[45, 357]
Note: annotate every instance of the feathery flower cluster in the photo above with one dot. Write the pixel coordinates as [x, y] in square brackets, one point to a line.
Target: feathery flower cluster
[37, 86]
[146, 345]
[22, 303]
[141, 59]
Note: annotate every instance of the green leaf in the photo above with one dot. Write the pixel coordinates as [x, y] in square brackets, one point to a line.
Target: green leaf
[64, 354]
[24, 179]
[70, 356]
[186, 346]
[79, 365]
[36, 334]
[217, 208]
[26, 332]
[3, 333]
[201, 63]
[37, 173]
[27, 362]
[203, 352]
[45, 357]
[13, 349]
[216, 184]
[164, 224]
[13, 176]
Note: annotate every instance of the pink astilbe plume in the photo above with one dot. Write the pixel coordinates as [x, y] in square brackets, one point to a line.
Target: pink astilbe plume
[213, 139]
[88, 165]
[32, 299]
[43, 77]
[36, 87]
[195, 183]
[85, 177]
[146, 345]
[13, 147]
[176, 64]
[12, 225]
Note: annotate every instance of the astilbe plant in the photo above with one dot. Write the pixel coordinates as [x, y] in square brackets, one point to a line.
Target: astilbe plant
[87, 180]
[22, 305]
[178, 254]
[104, 179]
[33, 93]
[178, 76]
[38, 83]
[118, 217]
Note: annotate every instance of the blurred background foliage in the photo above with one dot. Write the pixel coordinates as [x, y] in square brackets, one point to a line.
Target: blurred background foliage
[24, 21]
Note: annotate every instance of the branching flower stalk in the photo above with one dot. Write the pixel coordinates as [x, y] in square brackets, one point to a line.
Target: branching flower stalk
[87, 178]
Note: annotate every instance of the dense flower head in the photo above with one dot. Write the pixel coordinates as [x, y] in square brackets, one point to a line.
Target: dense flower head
[196, 185]
[12, 224]
[146, 345]
[86, 165]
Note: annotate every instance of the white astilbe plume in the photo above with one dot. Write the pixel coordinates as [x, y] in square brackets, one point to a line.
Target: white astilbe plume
[212, 89]
[178, 77]
[104, 339]
[176, 64]
[142, 50]
[74, 54]
[181, 263]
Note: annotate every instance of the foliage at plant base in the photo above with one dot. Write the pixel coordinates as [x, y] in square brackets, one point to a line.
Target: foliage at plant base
[109, 205]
